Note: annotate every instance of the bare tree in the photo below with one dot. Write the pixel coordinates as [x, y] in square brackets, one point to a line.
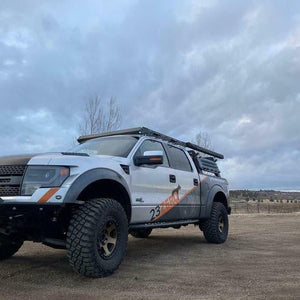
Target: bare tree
[202, 139]
[100, 117]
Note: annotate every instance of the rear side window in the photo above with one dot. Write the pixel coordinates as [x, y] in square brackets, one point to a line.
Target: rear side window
[179, 159]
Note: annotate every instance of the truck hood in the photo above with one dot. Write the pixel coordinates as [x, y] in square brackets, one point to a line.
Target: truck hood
[58, 158]
[16, 159]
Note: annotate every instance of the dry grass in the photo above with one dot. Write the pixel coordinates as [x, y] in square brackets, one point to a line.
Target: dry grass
[260, 260]
[244, 207]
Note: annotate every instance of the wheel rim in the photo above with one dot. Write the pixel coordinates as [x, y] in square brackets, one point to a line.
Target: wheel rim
[108, 239]
[221, 223]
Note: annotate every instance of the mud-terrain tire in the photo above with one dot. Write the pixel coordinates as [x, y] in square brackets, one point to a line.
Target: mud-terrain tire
[215, 229]
[141, 233]
[97, 237]
[9, 245]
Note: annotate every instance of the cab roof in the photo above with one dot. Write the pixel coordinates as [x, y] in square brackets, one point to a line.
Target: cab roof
[148, 132]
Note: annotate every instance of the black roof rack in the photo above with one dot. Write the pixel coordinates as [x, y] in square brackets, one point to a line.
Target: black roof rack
[209, 165]
[149, 132]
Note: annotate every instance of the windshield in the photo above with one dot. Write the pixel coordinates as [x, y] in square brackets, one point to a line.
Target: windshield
[113, 146]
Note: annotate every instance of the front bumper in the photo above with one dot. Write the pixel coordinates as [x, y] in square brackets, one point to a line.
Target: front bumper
[34, 222]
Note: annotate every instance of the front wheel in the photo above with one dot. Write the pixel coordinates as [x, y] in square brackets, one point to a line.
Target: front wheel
[9, 245]
[215, 229]
[97, 237]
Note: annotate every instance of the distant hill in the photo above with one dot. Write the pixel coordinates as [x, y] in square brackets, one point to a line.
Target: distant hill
[270, 195]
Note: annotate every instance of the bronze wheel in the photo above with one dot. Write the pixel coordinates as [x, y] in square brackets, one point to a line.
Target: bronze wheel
[215, 229]
[97, 237]
[221, 223]
[108, 239]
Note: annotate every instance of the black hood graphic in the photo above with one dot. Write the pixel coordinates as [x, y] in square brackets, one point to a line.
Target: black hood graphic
[16, 159]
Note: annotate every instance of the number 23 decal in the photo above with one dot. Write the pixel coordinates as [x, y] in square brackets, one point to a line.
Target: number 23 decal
[155, 212]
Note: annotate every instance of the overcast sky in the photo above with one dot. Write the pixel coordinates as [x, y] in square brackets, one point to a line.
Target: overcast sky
[228, 68]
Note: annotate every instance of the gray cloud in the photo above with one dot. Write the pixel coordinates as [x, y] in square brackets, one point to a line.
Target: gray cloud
[231, 69]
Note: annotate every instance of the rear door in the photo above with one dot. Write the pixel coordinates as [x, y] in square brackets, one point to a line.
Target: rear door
[187, 181]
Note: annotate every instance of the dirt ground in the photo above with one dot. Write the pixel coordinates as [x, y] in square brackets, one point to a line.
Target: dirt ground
[260, 260]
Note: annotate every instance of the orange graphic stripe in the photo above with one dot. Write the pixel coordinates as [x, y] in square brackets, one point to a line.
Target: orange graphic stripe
[48, 195]
[171, 202]
[174, 200]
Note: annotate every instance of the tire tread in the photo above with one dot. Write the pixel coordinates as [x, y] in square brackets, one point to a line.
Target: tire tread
[81, 237]
[9, 246]
[210, 226]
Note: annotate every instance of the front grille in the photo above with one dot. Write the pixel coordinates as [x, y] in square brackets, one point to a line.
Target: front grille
[3, 180]
[10, 180]
[9, 191]
[12, 170]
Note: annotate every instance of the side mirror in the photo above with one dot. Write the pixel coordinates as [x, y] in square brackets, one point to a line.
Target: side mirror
[149, 158]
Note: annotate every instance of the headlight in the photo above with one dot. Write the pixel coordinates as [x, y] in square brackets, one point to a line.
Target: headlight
[43, 176]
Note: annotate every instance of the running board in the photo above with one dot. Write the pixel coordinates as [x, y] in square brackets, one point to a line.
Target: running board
[163, 224]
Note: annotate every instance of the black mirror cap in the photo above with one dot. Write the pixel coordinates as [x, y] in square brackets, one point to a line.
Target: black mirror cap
[149, 160]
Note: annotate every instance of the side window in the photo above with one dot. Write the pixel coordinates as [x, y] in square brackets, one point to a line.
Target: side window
[149, 145]
[179, 159]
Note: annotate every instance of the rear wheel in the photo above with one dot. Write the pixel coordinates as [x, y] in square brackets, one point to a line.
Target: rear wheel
[141, 233]
[97, 237]
[9, 245]
[215, 229]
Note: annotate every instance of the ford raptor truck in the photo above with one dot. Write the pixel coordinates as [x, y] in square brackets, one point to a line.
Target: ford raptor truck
[111, 184]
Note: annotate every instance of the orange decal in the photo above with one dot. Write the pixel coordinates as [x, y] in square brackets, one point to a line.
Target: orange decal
[48, 195]
[174, 200]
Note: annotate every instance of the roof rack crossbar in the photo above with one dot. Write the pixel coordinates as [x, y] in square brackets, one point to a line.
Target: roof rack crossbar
[204, 150]
[149, 132]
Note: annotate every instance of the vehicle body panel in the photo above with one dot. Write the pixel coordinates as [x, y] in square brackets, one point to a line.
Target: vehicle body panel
[154, 198]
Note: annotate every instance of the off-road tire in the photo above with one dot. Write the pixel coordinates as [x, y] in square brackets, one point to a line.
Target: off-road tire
[9, 245]
[86, 227]
[210, 227]
[141, 233]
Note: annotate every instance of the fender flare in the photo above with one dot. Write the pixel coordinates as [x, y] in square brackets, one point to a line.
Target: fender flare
[89, 177]
[210, 198]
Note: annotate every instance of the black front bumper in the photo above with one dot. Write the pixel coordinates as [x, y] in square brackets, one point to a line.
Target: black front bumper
[33, 221]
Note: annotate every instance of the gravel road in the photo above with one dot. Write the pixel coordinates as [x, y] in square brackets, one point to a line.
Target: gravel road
[260, 260]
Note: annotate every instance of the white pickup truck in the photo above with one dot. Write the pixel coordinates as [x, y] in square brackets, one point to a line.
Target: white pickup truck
[111, 184]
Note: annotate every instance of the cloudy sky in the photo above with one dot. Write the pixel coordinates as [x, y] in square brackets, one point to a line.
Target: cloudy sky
[228, 68]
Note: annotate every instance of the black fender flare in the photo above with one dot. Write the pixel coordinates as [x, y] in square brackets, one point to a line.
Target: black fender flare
[210, 198]
[89, 177]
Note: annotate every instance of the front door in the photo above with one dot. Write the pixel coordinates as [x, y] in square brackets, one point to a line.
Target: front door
[150, 185]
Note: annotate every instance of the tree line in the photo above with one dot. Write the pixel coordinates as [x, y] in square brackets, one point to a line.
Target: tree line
[101, 116]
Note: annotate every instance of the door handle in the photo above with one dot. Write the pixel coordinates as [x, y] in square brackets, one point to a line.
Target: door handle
[172, 178]
[196, 182]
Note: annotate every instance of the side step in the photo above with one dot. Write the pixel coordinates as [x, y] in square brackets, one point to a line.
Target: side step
[163, 224]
